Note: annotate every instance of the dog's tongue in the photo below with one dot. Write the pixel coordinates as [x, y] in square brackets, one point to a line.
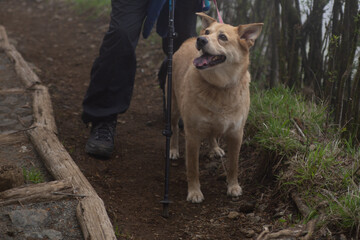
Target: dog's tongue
[203, 60]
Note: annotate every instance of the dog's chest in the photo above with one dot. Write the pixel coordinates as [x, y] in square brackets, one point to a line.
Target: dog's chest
[216, 124]
[221, 125]
[214, 112]
[220, 117]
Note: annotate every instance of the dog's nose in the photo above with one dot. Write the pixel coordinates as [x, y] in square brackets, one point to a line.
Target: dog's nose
[201, 42]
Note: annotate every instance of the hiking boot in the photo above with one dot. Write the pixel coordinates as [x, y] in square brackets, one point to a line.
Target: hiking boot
[101, 139]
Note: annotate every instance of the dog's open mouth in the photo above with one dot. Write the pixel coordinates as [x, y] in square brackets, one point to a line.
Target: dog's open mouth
[207, 60]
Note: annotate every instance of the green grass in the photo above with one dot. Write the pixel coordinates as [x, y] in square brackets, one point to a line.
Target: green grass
[283, 121]
[33, 175]
[320, 166]
[120, 234]
[346, 210]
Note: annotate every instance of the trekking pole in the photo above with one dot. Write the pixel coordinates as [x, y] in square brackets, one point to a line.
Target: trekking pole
[167, 132]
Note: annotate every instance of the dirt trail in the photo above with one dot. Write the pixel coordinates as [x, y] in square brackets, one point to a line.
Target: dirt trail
[62, 45]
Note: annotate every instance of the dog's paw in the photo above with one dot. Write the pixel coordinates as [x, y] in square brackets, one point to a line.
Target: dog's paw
[174, 154]
[195, 197]
[234, 190]
[217, 152]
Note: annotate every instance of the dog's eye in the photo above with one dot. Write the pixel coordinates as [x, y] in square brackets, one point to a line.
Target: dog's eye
[223, 37]
[207, 32]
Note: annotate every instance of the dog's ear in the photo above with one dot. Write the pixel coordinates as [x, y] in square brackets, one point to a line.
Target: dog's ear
[206, 20]
[250, 32]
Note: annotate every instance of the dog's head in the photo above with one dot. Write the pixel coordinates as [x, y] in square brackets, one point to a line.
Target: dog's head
[220, 44]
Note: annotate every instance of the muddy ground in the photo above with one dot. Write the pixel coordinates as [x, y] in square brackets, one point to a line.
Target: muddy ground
[62, 45]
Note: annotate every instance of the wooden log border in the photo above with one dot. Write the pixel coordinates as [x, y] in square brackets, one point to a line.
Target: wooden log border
[41, 192]
[91, 212]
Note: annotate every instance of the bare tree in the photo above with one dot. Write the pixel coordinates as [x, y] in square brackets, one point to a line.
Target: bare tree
[294, 51]
[313, 62]
[290, 43]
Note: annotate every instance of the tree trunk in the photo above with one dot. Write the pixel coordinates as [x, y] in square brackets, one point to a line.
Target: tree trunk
[333, 50]
[355, 104]
[346, 56]
[273, 44]
[313, 67]
[290, 43]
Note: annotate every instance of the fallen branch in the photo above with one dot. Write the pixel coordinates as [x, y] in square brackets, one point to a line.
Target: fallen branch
[287, 233]
[12, 91]
[305, 212]
[310, 227]
[304, 234]
[70, 194]
[299, 129]
[41, 192]
[91, 211]
[22, 68]
[265, 235]
[303, 209]
[12, 138]
[42, 108]
[4, 41]
[28, 77]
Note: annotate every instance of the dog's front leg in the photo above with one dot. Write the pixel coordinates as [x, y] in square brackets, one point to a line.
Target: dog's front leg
[192, 169]
[234, 144]
[174, 141]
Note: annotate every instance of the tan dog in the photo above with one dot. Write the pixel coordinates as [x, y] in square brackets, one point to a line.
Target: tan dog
[211, 93]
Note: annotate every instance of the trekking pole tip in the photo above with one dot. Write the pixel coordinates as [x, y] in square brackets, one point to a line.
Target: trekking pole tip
[165, 213]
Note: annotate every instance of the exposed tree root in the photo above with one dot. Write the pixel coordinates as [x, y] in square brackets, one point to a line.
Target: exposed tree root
[306, 233]
[296, 233]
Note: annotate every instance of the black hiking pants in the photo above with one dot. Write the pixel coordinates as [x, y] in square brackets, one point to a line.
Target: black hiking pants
[113, 71]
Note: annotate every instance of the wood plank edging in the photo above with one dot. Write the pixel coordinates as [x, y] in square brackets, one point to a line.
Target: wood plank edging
[91, 212]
